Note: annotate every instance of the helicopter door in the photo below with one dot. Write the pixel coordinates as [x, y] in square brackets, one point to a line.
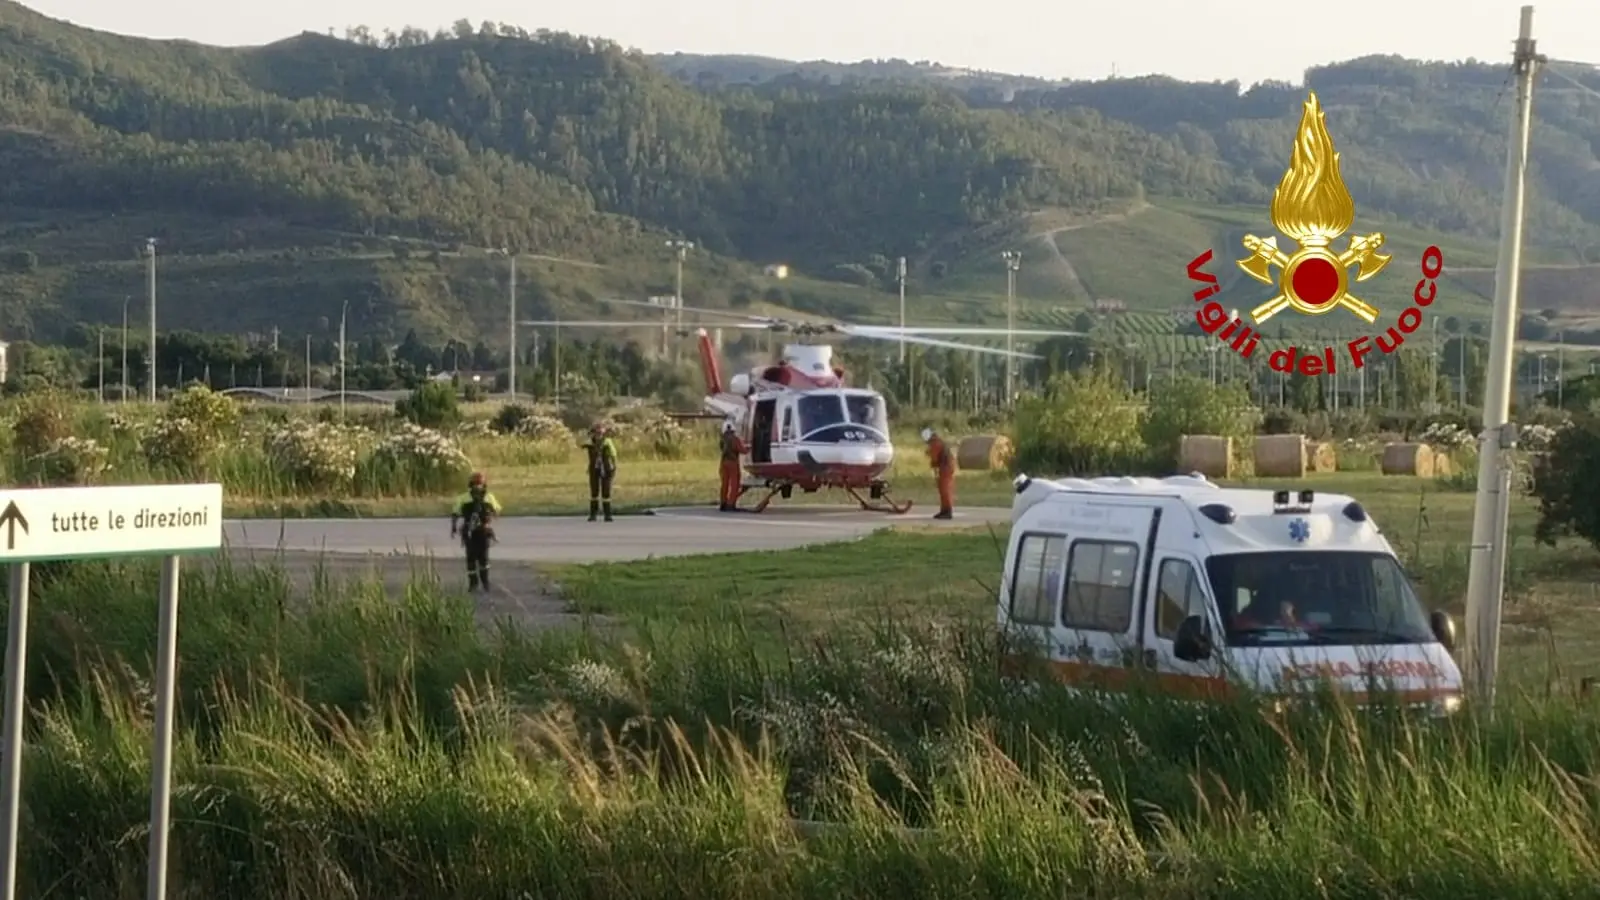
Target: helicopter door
[761, 431]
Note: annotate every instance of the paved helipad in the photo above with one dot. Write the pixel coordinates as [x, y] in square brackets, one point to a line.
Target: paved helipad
[682, 531]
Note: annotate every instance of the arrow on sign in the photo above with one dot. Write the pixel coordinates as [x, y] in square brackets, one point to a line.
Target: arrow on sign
[9, 520]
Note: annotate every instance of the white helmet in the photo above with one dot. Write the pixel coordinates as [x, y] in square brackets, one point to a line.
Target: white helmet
[727, 425]
[927, 435]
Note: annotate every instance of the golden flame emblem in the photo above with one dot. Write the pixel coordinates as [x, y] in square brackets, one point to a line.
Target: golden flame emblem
[1312, 207]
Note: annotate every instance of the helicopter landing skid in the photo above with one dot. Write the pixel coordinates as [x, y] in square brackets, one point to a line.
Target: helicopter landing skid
[881, 503]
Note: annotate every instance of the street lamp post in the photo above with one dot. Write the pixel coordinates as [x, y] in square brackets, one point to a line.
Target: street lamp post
[125, 301]
[901, 277]
[344, 315]
[682, 248]
[1013, 261]
[150, 252]
[511, 333]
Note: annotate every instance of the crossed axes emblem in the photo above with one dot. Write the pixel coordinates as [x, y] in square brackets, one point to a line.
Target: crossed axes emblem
[1362, 251]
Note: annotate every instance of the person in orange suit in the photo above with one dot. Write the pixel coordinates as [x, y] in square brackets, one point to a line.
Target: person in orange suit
[732, 447]
[943, 462]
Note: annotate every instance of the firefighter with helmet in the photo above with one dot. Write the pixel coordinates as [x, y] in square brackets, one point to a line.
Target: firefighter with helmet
[732, 447]
[602, 452]
[473, 518]
[943, 462]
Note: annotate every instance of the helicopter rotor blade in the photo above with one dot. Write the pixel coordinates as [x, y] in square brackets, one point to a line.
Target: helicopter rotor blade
[694, 309]
[562, 323]
[895, 331]
[934, 342]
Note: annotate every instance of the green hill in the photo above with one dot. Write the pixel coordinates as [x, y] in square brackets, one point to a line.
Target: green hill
[287, 183]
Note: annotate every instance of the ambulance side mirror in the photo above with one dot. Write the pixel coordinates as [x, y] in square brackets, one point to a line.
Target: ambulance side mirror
[1444, 628]
[1192, 643]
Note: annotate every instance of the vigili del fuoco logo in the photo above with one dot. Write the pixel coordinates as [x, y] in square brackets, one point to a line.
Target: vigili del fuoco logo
[1313, 208]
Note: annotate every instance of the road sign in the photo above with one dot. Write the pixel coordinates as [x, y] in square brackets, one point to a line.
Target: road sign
[94, 522]
[89, 523]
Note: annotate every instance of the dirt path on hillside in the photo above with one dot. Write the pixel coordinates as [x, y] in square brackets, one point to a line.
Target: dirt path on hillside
[1076, 289]
[520, 593]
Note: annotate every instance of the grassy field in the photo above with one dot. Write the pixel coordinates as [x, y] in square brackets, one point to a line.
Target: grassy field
[348, 743]
[1552, 637]
[825, 722]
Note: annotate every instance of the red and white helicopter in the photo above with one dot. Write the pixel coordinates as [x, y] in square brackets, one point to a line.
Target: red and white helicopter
[802, 425]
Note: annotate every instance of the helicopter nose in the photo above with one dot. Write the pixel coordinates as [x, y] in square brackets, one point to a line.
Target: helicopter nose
[845, 455]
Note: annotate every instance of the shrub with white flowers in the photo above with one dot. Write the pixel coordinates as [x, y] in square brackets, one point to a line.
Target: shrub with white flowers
[1536, 438]
[545, 439]
[316, 456]
[413, 459]
[72, 461]
[197, 423]
[652, 433]
[1447, 436]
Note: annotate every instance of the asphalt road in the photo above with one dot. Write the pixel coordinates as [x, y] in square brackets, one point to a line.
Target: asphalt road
[572, 539]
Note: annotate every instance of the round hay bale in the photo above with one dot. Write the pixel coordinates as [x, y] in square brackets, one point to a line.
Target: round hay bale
[983, 452]
[1443, 465]
[1324, 457]
[1408, 458]
[1209, 454]
[1280, 456]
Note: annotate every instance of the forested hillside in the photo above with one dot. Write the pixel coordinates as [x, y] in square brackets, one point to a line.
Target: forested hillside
[288, 181]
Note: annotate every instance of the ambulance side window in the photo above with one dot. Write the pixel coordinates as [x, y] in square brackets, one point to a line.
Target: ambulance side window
[1178, 596]
[1036, 582]
[1100, 577]
[787, 434]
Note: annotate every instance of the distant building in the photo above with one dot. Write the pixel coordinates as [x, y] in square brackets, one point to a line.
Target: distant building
[777, 271]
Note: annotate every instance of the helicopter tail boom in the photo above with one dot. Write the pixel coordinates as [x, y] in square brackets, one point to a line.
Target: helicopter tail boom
[709, 365]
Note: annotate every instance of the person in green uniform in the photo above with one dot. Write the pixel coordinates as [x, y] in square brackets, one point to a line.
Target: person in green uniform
[473, 518]
[602, 469]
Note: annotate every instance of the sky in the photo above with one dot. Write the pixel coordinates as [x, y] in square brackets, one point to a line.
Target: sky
[1079, 39]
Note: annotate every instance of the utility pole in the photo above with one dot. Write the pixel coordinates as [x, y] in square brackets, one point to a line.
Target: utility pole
[1486, 574]
[125, 301]
[100, 347]
[683, 248]
[307, 385]
[901, 277]
[150, 251]
[1013, 261]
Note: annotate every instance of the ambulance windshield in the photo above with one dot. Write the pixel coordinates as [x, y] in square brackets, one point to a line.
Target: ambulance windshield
[1316, 597]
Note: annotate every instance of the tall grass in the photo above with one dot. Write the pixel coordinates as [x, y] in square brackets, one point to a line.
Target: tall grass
[337, 742]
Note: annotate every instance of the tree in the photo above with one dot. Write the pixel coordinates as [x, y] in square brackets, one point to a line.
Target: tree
[1566, 482]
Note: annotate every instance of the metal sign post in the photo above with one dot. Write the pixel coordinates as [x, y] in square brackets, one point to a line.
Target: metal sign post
[16, 664]
[96, 523]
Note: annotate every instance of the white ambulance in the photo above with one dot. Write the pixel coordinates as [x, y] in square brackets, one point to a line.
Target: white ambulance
[1202, 590]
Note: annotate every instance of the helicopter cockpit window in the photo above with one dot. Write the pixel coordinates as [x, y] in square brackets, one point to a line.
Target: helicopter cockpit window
[868, 410]
[820, 411]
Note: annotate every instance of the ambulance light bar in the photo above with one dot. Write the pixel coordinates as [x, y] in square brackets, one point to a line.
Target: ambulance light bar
[1281, 504]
